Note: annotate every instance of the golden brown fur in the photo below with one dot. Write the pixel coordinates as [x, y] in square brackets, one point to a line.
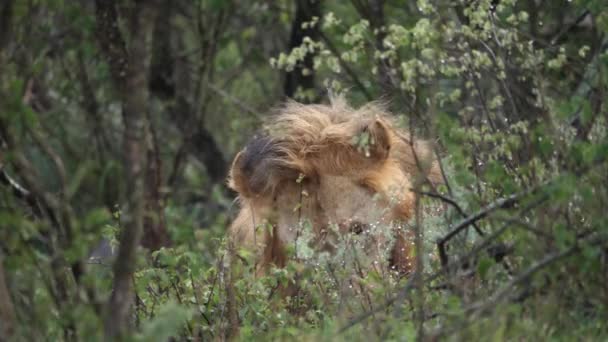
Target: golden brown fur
[325, 164]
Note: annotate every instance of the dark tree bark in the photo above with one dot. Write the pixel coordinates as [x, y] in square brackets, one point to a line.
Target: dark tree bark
[155, 229]
[161, 80]
[121, 64]
[305, 11]
[171, 79]
[7, 309]
[373, 11]
[6, 15]
[199, 141]
[128, 69]
[91, 106]
[111, 43]
[160, 83]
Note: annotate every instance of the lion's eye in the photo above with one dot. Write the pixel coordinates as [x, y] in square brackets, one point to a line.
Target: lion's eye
[367, 187]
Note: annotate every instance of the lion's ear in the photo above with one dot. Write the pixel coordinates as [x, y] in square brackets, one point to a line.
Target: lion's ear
[378, 140]
[236, 179]
[259, 169]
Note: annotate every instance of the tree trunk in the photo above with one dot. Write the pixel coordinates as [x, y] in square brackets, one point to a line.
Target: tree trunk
[294, 80]
[128, 69]
[155, 229]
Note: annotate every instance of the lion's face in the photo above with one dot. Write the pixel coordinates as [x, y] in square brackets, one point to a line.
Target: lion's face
[350, 205]
[329, 202]
[332, 169]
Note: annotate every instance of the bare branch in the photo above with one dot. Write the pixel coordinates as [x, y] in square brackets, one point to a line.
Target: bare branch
[498, 204]
[482, 307]
[242, 105]
[453, 204]
[569, 27]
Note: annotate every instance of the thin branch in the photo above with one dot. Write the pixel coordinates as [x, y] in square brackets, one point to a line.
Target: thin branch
[235, 101]
[197, 301]
[332, 48]
[484, 307]
[20, 192]
[526, 226]
[451, 202]
[419, 268]
[481, 307]
[405, 291]
[498, 204]
[569, 27]
[57, 161]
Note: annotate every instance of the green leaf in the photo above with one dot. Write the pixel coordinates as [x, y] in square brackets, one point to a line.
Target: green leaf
[484, 265]
[167, 323]
[76, 180]
[564, 236]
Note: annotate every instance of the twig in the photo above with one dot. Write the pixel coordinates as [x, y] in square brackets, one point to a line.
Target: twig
[526, 226]
[499, 204]
[20, 192]
[481, 307]
[442, 170]
[179, 299]
[419, 312]
[56, 160]
[404, 292]
[198, 303]
[452, 203]
[482, 100]
[567, 28]
[235, 101]
[495, 61]
[345, 66]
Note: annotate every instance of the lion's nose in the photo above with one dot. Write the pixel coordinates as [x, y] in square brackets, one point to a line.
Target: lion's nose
[357, 227]
[354, 227]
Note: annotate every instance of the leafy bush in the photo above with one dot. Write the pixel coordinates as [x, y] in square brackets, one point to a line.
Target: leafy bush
[514, 244]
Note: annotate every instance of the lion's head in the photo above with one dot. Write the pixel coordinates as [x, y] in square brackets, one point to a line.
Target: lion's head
[338, 169]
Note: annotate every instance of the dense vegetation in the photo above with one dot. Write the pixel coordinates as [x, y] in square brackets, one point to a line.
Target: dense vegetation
[118, 121]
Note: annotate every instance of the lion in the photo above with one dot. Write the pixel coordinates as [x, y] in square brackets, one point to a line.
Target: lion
[331, 166]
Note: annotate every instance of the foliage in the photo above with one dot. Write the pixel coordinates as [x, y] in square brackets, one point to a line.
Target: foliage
[513, 92]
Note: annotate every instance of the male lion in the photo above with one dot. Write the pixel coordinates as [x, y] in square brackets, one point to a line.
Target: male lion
[331, 166]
